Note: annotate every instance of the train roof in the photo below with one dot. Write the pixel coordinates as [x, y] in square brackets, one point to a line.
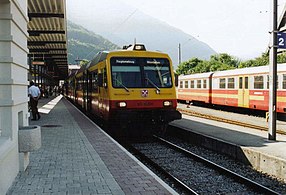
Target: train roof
[196, 76]
[100, 56]
[233, 72]
[249, 70]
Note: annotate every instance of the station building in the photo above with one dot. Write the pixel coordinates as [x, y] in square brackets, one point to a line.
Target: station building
[33, 46]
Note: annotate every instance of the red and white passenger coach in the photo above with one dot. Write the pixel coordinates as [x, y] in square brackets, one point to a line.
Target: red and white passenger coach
[245, 88]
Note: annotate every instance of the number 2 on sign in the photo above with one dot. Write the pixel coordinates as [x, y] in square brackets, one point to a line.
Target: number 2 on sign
[281, 41]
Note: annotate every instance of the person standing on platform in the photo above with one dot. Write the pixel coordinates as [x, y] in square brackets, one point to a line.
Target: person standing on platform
[34, 93]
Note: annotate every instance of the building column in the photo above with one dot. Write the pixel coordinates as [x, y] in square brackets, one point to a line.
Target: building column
[13, 86]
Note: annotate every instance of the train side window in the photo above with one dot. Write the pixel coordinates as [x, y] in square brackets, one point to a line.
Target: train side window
[230, 83]
[284, 81]
[100, 80]
[186, 84]
[204, 83]
[79, 84]
[258, 82]
[222, 83]
[277, 83]
[94, 81]
[181, 84]
[192, 84]
[246, 82]
[199, 84]
[240, 82]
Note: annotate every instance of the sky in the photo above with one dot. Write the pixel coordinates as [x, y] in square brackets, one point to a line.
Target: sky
[237, 27]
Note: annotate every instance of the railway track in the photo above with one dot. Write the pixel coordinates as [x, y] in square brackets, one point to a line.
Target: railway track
[229, 121]
[191, 187]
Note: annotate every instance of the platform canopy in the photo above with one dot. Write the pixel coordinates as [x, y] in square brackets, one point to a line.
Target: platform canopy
[47, 42]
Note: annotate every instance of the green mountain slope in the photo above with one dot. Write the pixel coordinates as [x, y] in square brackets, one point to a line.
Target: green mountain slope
[84, 44]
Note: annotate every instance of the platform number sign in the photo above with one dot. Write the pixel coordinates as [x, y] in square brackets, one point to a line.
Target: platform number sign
[281, 40]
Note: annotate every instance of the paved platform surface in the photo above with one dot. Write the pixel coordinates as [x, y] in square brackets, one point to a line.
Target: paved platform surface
[77, 157]
[266, 155]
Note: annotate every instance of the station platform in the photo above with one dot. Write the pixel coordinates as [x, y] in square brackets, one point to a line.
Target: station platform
[245, 144]
[77, 157]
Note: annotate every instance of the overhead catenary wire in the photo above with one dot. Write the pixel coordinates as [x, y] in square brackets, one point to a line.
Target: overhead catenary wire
[116, 28]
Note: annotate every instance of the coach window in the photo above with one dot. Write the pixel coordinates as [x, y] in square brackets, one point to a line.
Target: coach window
[94, 81]
[199, 84]
[79, 83]
[222, 83]
[192, 84]
[186, 84]
[204, 83]
[277, 83]
[105, 78]
[240, 83]
[230, 83]
[284, 81]
[258, 82]
[246, 83]
[181, 84]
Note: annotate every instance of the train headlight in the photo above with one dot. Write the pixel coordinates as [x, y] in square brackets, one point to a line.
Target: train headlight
[167, 103]
[121, 104]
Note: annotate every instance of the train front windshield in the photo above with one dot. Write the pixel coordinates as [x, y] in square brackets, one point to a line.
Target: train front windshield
[141, 73]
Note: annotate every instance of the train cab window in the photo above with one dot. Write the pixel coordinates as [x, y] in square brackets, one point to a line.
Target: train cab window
[181, 84]
[157, 73]
[222, 83]
[125, 72]
[186, 84]
[204, 83]
[192, 84]
[258, 82]
[199, 84]
[284, 81]
[140, 72]
[230, 83]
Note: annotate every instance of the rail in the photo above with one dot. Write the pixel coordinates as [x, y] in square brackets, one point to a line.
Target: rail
[229, 121]
[254, 185]
[162, 171]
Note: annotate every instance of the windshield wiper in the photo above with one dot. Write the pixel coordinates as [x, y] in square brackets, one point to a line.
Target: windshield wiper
[121, 84]
[153, 84]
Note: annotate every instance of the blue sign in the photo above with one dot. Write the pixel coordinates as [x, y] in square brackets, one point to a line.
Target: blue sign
[281, 38]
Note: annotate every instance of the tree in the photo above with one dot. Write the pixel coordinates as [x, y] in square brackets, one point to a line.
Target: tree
[186, 67]
[259, 61]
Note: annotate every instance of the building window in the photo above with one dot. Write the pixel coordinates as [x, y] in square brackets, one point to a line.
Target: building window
[222, 83]
[258, 82]
[230, 83]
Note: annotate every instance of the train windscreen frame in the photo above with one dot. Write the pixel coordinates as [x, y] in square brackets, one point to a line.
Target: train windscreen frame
[131, 72]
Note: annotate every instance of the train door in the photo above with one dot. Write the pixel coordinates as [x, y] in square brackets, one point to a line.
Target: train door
[243, 91]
